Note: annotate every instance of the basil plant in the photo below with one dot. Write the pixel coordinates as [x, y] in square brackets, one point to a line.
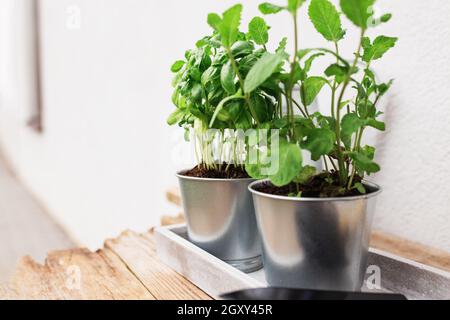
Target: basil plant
[218, 86]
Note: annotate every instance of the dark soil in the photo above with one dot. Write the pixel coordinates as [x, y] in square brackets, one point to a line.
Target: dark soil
[324, 185]
[233, 172]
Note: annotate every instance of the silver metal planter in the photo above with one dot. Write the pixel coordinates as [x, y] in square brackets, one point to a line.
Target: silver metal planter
[221, 219]
[315, 243]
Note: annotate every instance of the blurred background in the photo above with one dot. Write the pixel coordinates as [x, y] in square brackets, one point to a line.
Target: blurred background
[85, 90]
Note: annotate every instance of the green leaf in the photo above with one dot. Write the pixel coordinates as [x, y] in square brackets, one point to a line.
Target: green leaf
[319, 142]
[311, 88]
[376, 124]
[303, 52]
[326, 19]
[295, 194]
[195, 73]
[227, 76]
[224, 115]
[282, 46]
[302, 127]
[350, 124]
[298, 74]
[241, 48]
[290, 162]
[358, 11]
[209, 75]
[235, 108]
[260, 107]
[384, 87]
[269, 8]
[244, 121]
[364, 163]
[369, 152]
[215, 21]
[310, 60]
[366, 110]
[177, 66]
[294, 5]
[337, 71]
[343, 104]
[262, 70]
[255, 170]
[360, 187]
[221, 105]
[196, 92]
[386, 17]
[379, 47]
[305, 174]
[258, 31]
[175, 117]
[230, 25]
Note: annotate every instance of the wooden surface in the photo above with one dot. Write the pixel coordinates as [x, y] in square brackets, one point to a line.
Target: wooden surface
[411, 250]
[402, 247]
[126, 268]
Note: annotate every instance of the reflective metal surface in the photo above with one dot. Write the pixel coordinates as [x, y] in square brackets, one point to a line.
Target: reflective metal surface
[221, 219]
[314, 243]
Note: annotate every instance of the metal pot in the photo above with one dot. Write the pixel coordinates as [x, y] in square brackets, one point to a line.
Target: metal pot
[221, 219]
[315, 243]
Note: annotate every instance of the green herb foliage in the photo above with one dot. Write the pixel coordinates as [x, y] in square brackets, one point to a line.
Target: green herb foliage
[232, 81]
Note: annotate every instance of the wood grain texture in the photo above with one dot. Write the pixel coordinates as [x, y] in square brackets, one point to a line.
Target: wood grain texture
[138, 253]
[171, 220]
[411, 250]
[402, 247]
[7, 292]
[127, 268]
[173, 196]
[78, 274]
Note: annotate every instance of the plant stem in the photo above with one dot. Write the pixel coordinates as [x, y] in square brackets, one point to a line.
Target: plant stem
[333, 89]
[304, 112]
[343, 175]
[326, 164]
[290, 87]
[332, 163]
[357, 147]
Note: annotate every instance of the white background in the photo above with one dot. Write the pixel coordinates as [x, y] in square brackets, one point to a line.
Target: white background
[106, 156]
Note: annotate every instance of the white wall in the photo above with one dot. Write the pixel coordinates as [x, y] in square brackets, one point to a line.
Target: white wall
[105, 158]
[415, 151]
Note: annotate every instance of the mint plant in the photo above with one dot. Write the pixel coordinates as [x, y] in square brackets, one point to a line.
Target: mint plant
[337, 137]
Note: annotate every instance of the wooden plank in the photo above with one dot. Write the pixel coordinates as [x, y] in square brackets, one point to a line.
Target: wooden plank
[126, 268]
[171, 220]
[77, 274]
[402, 247]
[7, 292]
[173, 196]
[411, 250]
[138, 252]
